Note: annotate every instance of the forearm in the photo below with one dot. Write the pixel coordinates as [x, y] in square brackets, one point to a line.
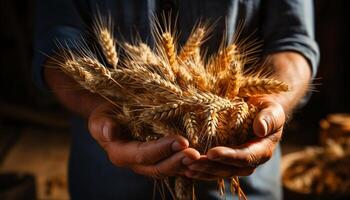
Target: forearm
[69, 93]
[292, 68]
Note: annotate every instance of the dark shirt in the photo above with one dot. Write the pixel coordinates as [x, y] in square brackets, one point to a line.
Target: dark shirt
[281, 24]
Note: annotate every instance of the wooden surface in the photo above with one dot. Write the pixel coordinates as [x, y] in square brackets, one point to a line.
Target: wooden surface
[45, 154]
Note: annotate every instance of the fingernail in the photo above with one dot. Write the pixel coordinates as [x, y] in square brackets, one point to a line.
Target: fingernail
[176, 146]
[105, 132]
[187, 161]
[262, 131]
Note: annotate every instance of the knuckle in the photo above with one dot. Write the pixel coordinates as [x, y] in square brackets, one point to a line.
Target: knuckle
[250, 159]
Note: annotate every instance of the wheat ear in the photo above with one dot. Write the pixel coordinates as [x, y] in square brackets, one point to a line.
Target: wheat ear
[239, 114]
[165, 111]
[89, 79]
[247, 123]
[170, 50]
[192, 46]
[141, 53]
[103, 28]
[133, 78]
[95, 65]
[210, 126]
[253, 86]
[199, 75]
[227, 57]
[234, 77]
[183, 77]
[108, 46]
[80, 75]
[153, 60]
[222, 61]
[191, 127]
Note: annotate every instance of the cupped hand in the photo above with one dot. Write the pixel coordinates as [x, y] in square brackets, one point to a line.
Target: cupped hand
[242, 160]
[159, 158]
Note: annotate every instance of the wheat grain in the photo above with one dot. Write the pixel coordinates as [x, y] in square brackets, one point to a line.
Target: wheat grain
[253, 86]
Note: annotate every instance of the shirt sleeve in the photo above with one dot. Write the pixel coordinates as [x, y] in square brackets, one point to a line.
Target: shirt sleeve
[289, 25]
[56, 22]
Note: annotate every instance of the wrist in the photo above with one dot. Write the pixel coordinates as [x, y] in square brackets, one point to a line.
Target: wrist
[293, 69]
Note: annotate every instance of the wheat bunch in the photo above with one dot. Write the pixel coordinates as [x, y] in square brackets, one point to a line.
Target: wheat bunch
[161, 92]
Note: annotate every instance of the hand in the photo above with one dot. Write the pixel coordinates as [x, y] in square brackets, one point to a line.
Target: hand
[158, 158]
[241, 161]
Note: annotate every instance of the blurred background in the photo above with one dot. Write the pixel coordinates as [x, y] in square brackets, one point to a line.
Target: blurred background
[34, 131]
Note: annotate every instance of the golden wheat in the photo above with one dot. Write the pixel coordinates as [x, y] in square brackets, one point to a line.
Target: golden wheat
[103, 29]
[161, 92]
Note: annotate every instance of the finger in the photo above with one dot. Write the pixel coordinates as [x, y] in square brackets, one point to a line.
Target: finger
[101, 124]
[200, 175]
[128, 153]
[219, 169]
[169, 167]
[251, 154]
[270, 119]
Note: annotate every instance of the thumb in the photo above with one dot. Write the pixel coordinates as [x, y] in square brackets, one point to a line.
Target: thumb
[101, 124]
[269, 120]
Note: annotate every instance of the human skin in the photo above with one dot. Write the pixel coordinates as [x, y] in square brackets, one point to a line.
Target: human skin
[171, 155]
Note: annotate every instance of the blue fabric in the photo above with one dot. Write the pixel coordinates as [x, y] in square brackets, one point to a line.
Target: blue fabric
[281, 24]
